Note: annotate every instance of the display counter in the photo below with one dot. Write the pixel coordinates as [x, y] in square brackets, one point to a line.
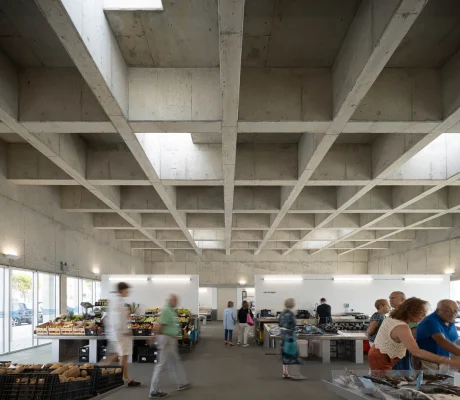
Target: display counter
[272, 345]
[260, 322]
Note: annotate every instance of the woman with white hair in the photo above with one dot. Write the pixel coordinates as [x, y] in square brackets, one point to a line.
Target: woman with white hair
[289, 351]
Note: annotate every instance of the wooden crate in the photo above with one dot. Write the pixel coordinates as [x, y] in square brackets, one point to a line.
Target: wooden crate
[78, 331]
[54, 331]
[41, 331]
[67, 331]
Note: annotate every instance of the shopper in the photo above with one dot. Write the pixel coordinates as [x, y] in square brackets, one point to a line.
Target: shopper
[396, 299]
[243, 332]
[383, 308]
[323, 312]
[120, 342]
[289, 349]
[169, 329]
[229, 323]
[438, 334]
[395, 337]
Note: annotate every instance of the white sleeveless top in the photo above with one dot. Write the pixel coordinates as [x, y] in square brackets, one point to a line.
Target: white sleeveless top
[385, 343]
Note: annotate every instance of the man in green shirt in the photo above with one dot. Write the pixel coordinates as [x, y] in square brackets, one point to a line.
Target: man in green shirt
[169, 330]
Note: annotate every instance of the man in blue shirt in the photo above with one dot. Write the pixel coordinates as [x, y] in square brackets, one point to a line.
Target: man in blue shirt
[437, 333]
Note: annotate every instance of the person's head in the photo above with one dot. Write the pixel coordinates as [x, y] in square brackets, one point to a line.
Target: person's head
[289, 303]
[411, 310]
[123, 289]
[447, 310]
[245, 305]
[396, 299]
[382, 306]
[230, 304]
[323, 301]
[173, 300]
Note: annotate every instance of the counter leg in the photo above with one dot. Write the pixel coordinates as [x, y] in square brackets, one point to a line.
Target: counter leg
[359, 349]
[55, 347]
[326, 351]
[93, 351]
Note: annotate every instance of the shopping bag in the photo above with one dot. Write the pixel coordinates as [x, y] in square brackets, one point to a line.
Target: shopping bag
[290, 347]
[249, 320]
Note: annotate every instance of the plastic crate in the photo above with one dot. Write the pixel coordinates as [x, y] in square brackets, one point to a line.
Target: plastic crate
[146, 351]
[147, 359]
[28, 386]
[104, 383]
[83, 359]
[77, 390]
[91, 332]
[101, 357]
[83, 351]
[102, 350]
[142, 332]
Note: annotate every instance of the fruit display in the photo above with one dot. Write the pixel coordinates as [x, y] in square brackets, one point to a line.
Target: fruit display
[183, 312]
[184, 320]
[140, 326]
[153, 311]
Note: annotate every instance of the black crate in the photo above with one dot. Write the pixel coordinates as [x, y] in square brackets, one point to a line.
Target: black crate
[107, 382]
[146, 351]
[102, 357]
[83, 351]
[142, 332]
[77, 390]
[83, 359]
[28, 386]
[91, 332]
[147, 359]
[102, 350]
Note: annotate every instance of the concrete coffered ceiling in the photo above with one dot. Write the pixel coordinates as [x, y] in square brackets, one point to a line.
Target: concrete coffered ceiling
[232, 125]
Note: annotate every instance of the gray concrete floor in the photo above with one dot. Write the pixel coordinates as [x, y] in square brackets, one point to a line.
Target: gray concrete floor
[218, 371]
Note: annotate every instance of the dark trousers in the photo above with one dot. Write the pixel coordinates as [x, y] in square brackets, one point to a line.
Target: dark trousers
[228, 334]
[404, 364]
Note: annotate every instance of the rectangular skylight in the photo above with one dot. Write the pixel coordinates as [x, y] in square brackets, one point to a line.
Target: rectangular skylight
[133, 5]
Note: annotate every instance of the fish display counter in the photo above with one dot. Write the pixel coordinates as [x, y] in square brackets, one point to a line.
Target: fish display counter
[321, 340]
[392, 385]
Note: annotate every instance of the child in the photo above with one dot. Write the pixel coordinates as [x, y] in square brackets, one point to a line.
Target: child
[229, 323]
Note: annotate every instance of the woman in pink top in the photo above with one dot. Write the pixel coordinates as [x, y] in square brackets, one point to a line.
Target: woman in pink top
[395, 337]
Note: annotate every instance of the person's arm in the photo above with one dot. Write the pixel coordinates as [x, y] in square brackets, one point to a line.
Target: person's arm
[372, 328]
[250, 312]
[404, 334]
[234, 315]
[447, 345]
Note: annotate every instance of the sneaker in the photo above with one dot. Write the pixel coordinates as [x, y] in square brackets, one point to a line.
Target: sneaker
[134, 384]
[286, 376]
[226, 343]
[231, 344]
[245, 345]
[238, 343]
[184, 387]
[158, 395]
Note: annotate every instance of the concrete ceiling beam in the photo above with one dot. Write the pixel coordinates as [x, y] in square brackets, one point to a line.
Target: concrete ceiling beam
[364, 53]
[231, 17]
[94, 50]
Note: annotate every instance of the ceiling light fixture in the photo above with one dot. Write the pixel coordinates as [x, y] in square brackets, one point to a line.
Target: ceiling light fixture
[171, 279]
[121, 279]
[283, 278]
[242, 282]
[11, 256]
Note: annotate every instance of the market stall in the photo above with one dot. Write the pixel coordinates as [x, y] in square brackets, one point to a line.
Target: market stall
[350, 293]
[392, 385]
[322, 343]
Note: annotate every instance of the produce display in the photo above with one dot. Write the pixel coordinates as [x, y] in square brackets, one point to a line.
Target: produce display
[406, 386]
[37, 381]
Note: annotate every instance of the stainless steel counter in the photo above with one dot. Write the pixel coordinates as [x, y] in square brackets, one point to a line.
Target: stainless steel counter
[270, 345]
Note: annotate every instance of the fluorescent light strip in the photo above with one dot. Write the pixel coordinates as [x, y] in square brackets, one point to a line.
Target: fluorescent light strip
[172, 279]
[350, 278]
[421, 279]
[284, 278]
[127, 279]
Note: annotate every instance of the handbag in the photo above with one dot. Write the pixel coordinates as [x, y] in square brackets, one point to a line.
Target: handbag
[290, 347]
[249, 320]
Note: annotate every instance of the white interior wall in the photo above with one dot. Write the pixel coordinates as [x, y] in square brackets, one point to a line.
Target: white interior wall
[360, 295]
[153, 294]
[205, 297]
[215, 268]
[34, 227]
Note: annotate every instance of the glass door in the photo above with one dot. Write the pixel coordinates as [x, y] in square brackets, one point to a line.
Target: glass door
[21, 309]
[2, 311]
[47, 300]
[73, 303]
